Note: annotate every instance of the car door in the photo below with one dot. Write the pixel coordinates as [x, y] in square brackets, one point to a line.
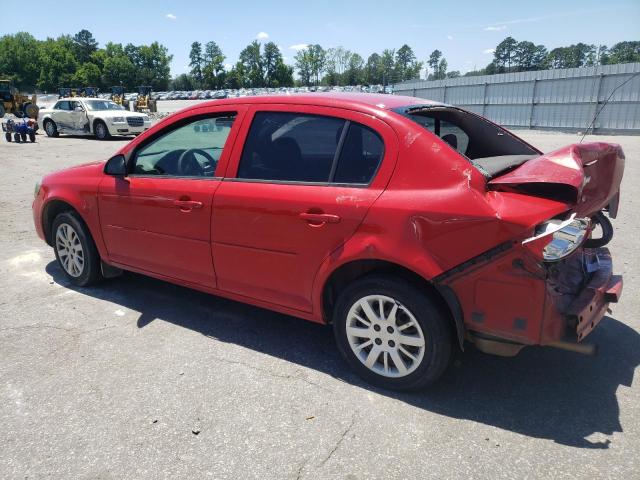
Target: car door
[60, 114]
[158, 218]
[297, 188]
[77, 116]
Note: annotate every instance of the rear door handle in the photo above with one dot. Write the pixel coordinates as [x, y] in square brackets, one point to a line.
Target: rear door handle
[187, 204]
[319, 217]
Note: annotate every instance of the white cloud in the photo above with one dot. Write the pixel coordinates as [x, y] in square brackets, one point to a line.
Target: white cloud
[299, 46]
[228, 66]
[170, 16]
[489, 50]
[262, 36]
[495, 28]
[449, 37]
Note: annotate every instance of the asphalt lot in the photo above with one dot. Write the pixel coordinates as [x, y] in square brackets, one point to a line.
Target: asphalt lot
[142, 379]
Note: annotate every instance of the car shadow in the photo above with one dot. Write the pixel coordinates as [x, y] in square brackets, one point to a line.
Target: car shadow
[542, 393]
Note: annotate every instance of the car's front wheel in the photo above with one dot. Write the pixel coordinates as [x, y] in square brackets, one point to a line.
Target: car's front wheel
[75, 250]
[50, 128]
[101, 130]
[392, 334]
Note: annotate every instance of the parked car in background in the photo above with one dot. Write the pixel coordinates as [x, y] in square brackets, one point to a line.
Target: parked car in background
[91, 116]
[409, 225]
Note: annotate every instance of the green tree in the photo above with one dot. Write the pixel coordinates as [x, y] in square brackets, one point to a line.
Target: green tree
[251, 59]
[406, 66]
[195, 62]
[271, 58]
[213, 70]
[118, 69]
[236, 78]
[317, 57]
[57, 63]
[84, 45]
[153, 66]
[387, 64]
[373, 70]
[434, 61]
[19, 59]
[303, 65]
[355, 74]
[623, 52]
[88, 75]
[504, 54]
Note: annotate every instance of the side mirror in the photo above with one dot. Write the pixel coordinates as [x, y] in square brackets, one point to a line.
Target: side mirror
[116, 166]
[79, 109]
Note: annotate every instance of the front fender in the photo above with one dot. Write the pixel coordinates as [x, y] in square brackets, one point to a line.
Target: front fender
[85, 202]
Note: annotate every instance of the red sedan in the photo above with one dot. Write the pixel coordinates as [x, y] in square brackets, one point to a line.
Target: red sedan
[411, 226]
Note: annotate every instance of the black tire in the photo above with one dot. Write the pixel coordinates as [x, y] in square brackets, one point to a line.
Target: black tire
[607, 231]
[16, 137]
[433, 321]
[8, 137]
[32, 137]
[90, 273]
[101, 130]
[50, 128]
[23, 137]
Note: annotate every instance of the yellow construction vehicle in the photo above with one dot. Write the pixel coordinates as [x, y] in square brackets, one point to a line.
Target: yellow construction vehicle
[117, 96]
[89, 91]
[66, 92]
[145, 102]
[11, 101]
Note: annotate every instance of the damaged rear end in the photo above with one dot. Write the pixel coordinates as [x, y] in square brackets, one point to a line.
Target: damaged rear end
[554, 284]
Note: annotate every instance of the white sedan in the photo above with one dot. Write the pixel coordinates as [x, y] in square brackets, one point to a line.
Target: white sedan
[91, 116]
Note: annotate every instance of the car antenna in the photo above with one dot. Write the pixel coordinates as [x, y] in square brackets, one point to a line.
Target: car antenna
[604, 104]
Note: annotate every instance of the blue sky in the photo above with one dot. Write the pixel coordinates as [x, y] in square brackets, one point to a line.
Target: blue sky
[464, 31]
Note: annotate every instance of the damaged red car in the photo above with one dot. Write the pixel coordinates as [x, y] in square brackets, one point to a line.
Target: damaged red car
[413, 227]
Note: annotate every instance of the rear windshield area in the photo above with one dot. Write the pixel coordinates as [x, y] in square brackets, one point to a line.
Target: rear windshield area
[490, 148]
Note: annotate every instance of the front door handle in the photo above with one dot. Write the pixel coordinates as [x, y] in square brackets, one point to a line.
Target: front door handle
[187, 205]
[319, 217]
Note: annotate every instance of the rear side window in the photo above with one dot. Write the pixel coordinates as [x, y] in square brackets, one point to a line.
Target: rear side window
[360, 156]
[450, 133]
[290, 147]
[309, 148]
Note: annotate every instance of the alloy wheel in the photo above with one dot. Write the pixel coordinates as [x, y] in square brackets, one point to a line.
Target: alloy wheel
[69, 250]
[385, 336]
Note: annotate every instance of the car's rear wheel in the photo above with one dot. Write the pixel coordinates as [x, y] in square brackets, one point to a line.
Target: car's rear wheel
[75, 250]
[392, 334]
[50, 128]
[101, 130]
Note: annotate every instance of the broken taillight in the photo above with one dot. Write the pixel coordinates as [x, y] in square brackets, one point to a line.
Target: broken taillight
[556, 239]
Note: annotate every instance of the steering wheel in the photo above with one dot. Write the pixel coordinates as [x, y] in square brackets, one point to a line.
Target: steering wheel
[189, 166]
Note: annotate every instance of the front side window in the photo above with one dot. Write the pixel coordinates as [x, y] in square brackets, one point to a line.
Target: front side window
[285, 146]
[190, 150]
[63, 105]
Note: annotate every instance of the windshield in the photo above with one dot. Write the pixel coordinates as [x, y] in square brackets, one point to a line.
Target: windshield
[102, 105]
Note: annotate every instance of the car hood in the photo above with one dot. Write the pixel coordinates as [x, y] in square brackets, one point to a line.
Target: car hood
[587, 176]
[115, 113]
[90, 169]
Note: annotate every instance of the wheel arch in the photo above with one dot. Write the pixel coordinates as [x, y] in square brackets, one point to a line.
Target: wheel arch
[50, 211]
[355, 269]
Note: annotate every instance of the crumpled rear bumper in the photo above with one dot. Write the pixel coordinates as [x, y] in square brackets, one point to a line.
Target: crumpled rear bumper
[590, 305]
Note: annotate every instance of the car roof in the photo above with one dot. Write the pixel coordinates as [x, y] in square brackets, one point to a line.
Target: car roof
[82, 98]
[355, 101]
